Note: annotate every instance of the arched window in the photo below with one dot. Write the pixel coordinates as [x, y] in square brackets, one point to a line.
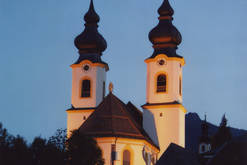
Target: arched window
[85, 89]
[161, 83]
[126, 157]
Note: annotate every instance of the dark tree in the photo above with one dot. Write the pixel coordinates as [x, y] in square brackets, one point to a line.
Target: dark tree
[19, 152]
[49, 152]
[15, 151]
[5, 141]
[56, 145]
[38, 149]
[83, 150]
[77, 150]
[59, 139]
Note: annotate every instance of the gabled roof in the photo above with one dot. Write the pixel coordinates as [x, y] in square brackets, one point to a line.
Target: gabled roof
[135, 112]
[112, 118]
[176, 155]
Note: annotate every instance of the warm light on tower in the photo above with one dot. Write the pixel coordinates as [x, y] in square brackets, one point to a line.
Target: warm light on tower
[88, 72]
[163, 113]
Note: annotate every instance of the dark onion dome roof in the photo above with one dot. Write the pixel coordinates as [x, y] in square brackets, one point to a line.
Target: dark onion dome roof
[90, 40]
[165, 9]
[165, 37]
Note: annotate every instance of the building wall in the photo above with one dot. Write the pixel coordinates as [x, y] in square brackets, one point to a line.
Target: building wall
[165, 123]
[173, 69]
[97, 75]
[134, 146]
[75, 118]
[169, 124]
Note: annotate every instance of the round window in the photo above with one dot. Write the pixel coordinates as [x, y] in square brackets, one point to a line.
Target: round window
[85, 67]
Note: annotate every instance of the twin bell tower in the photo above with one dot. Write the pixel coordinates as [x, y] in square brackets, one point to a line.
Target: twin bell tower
[163, 113]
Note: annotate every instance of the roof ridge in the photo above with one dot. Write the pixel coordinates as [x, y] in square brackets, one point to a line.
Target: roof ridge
[111, 108]
[113, 118]
[132, 121]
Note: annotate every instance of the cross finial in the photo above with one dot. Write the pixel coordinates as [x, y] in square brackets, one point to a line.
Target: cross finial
[110, 87]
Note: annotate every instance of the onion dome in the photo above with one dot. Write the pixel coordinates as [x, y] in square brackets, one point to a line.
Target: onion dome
[90, 41]
[165, 37]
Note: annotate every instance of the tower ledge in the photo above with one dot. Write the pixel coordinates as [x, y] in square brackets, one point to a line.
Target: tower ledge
[174, 104]
[155, 58]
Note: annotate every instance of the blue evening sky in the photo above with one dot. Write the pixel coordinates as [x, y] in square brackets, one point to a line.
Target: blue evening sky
[36, 48]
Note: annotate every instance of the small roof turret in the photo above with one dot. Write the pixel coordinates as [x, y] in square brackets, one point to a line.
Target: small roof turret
[165, 37]
[204, 128]
[223, 121]
[90, 41]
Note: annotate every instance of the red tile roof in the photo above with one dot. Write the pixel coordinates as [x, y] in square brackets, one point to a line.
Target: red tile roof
[113, 118]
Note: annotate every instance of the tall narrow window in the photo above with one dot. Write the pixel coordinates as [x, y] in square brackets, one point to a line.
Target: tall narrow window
[113, 153]
[161, 83]
[85, 89]
[126, 157]
[180, 86]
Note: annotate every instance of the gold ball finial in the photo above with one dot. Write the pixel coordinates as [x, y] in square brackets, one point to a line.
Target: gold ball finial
[110, 87]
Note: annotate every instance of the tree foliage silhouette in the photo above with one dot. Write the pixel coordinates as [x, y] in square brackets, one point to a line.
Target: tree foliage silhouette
[15, 151]
[83, 150]
[77, 150]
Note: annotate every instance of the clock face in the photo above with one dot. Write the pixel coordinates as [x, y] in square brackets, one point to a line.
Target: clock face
[161, 62]
[85, 67]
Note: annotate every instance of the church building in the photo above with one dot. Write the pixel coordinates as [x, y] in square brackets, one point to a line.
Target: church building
[126, 134]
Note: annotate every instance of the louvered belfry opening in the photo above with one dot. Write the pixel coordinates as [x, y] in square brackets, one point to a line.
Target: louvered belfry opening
[86, 88]
[161, 83]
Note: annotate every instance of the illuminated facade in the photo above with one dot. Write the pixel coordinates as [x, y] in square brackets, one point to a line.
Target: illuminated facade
[126, 135]
[163, 113]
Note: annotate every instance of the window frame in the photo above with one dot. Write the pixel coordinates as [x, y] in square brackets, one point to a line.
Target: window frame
[166, 82]
[129, 152]
[90, 88]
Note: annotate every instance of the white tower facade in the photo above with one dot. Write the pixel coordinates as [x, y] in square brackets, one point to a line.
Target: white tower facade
[171, 69]
[88, 72]
[95, 75]
[163, 113]
[88, 91]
